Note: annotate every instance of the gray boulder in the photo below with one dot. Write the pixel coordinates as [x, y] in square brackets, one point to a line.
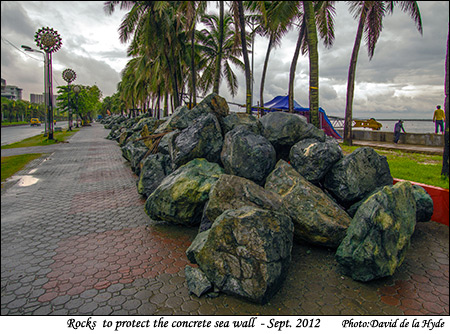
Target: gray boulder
[424, 204]
[357, 175]
[247, 252]
[166, 142]
[202, 139]
[313, 158]
[134, 151]
[182, 195]
[284, 129]
[183, 117]
[379, 235]
[247, 154]
[317, 218]
[154, 169]
[233, 192]
[236, 119]
[198, 283]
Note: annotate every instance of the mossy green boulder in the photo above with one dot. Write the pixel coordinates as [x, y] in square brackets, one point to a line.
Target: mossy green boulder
[246, 253]
[379, 234]
[181, 196]
[317, 218]
[234, 192]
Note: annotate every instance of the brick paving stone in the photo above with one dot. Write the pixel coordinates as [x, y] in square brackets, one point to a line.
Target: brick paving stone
[84, 245]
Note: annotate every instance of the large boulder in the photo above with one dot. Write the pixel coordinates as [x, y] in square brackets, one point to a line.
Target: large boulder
[284, 129]
[357, 175]
[424, 204]
[246, 252]
[317, 218]
[379, 234]
[202, 139]
[247, 154]
[181, 196]
[154, 169]
[198, 283]
[183, 117]
[134, 151]
[236, 119]
[313, 158]
[233, 192]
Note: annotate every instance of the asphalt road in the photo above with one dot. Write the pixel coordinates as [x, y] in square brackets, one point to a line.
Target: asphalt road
[13, 134]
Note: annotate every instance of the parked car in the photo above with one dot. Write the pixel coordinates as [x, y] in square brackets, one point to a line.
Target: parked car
[35, 121]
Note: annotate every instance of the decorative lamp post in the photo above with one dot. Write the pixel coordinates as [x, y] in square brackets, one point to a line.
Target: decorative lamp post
[48, 40]
[29, 49]
[69, 76]
[76, 90]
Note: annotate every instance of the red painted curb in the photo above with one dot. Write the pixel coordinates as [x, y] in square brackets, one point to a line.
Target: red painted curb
[440, 201]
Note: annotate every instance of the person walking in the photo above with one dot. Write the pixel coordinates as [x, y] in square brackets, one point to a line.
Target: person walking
[397, 129]
[438, 119]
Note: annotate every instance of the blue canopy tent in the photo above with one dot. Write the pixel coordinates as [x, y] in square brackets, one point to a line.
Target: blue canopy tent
[281, 103]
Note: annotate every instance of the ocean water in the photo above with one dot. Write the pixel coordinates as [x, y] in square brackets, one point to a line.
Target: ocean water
[409, 126]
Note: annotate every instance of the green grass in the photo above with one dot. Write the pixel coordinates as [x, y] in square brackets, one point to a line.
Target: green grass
[41, 140]
[11, 165]
[416, 167]
[14, 123]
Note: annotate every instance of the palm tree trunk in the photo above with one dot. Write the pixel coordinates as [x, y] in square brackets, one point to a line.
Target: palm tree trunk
[220, 51]
[311, 36]
[263, 76]
[193, 74]
[445, 160]
[248, 77]
[173, 77]
[348, 140]
[301, 35]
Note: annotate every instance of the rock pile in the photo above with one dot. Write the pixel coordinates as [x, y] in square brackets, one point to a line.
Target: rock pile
[229, 175]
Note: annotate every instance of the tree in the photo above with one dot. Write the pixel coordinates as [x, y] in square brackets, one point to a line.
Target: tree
[221, 37]
[85, 104]
[311, 34]
[237, 8]
[219, 52]
[275, 19]
[324, 25]
[370, 14]
[154, 29]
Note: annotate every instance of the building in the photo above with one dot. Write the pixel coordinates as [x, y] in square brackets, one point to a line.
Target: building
[37, 98]
[11, 92]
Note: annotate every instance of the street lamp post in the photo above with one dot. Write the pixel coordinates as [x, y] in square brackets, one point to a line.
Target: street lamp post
[69, 76]
[76, 90]
[49, 40]
[29, 49]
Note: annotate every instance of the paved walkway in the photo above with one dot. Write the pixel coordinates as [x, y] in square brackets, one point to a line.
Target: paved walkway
[77, 241]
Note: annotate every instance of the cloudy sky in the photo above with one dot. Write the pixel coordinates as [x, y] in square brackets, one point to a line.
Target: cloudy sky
[404, 79]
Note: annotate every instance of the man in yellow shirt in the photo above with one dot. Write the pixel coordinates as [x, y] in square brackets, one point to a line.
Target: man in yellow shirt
[438, 119]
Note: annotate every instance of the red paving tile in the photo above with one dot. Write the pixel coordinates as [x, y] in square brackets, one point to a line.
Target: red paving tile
[423, 294]
[124, 256]
[389, 300]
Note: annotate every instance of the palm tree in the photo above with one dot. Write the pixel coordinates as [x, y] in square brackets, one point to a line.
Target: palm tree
[275, 19]
[316, 17]
[220, 40]
[371, 14]
[311, 34]
[237, 8]
[193, 10]
[219, 51]
[155, 24]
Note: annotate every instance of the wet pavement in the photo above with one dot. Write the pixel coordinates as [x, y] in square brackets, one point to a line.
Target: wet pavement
[77, 241]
